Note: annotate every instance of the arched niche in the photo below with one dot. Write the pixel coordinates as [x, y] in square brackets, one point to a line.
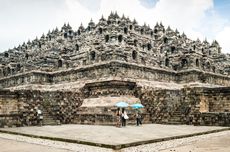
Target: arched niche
[165, 40]
[60, 63]
[6, 55]
[134, 55]
[130, 27]
[135, 42]
[149, 46]
[120, 38]
[209, 52]
[89, 28]
[151, 33]
[184, 63]
[100, 30]
[92, 55]
[39, 45]
[50, 38]
[4, 72]
[167, 62]
[173, 48]
[27, 56]
[18, 67]
[142, 31]
[197, 63]
[208, 65]
[79, 32]
[8, 71]
[65, 35]
[125, 30]
[214, 69]
[202, 50]
[77, 47]
[107, 38]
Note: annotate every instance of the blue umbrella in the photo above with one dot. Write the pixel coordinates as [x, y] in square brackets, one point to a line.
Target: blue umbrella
[137, 106]
[122, 104]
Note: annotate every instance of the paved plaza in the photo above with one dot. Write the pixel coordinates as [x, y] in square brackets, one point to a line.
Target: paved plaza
[105, 136]
[111, 135]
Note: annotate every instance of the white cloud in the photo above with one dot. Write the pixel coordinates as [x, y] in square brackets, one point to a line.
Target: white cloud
[223, 38]
[182, 14]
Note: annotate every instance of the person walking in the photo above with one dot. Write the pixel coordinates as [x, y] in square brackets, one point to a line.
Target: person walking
[118, 118]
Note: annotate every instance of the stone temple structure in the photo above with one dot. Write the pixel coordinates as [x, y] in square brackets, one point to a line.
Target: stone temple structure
[78, 76]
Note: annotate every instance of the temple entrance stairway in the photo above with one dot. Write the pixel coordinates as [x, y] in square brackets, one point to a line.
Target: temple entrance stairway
[179, 116]
[48, 119]
[175, 119]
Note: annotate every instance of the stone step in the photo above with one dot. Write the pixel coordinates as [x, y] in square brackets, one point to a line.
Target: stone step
[174, 123]
[48, 118]
[50, 122]
[174, 120]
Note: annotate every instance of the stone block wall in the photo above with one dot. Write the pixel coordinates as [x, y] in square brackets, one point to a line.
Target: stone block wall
[213, 119]
[26, 78]
[198, 106]
[161, 104]
[114, 69]
[8, 109]
[171, 106]
[217, 99]
[60, 106]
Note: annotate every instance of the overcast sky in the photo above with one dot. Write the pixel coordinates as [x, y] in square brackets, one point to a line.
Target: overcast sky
[21, 20]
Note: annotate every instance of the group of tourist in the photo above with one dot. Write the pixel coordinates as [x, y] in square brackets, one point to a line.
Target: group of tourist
[122, 117]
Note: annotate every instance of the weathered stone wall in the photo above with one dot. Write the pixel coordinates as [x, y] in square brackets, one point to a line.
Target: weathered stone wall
[114, 69]
[218, 99]
[203, 77]
[8, 109]
[213, 119]
[198, 106]
[161, 104]
[212, 106]
[26, 78]
[171, 106]
[60, 106]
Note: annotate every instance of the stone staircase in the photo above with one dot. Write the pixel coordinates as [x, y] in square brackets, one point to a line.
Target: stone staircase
[48, 119]
[176, 118]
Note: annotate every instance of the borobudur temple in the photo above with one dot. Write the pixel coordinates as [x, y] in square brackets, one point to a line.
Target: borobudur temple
[78, 76]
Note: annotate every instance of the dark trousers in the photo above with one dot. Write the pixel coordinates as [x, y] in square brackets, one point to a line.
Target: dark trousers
[123, 121]
[138, 121]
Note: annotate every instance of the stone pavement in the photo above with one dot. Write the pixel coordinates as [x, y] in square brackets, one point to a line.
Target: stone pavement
[28, 144]
[110, 135]
[6, 146]
[213, 144]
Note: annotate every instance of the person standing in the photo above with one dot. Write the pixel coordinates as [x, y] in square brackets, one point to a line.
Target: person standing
[124, 117]
[118, 118]
[39, 117]
[138, 118]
